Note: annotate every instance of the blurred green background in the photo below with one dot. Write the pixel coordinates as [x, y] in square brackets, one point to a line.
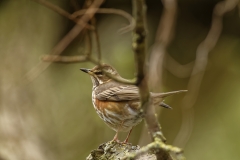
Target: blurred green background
[52, 117]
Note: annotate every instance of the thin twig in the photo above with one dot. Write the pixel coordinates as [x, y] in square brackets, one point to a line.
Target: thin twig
[139, 47]
[75, 5]
[199, 69]
[72, 59]
[65, 59]
[112, 11]
[66, 40]
[63, 13]
[95, 33]
[162, 40]
[88, 44]
[182, 71]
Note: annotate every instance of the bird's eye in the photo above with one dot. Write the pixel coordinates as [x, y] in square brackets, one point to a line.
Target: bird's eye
[98, 73]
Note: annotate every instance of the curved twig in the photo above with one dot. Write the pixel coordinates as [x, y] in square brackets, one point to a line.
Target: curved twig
[64, 59]
[65, 41]
[111, 11]
[199, 69]
[177, 69]
[163, 38]
[64, 13]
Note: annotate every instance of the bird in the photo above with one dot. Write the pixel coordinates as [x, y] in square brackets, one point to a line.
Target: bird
[118, 104]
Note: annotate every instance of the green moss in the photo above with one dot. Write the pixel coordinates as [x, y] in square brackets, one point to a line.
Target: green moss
[113, 150]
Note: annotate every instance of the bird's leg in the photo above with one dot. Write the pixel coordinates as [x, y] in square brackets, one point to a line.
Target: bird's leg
[115, 138]
[126, 140]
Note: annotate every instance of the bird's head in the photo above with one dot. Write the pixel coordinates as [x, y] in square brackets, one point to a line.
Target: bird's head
[99, 74]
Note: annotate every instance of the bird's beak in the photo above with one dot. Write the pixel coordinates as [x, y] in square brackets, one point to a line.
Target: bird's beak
[85, 70]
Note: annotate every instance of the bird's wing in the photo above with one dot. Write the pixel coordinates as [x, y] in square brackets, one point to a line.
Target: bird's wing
[119, 93]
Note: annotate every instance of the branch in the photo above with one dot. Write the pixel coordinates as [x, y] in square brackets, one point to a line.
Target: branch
[199, 69]
[114, 150]
[72, 59]
[162, 40]
[65, 59]
[156, 145]
[64, 13]
[66, 40]
[96, 36]
[111, 11]
[139, 47]
[75, 5]
[177, 69]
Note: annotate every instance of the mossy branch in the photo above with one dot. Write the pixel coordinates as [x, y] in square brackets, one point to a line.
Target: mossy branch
[139, 46]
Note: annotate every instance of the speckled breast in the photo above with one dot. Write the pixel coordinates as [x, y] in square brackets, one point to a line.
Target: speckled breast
[120, 116]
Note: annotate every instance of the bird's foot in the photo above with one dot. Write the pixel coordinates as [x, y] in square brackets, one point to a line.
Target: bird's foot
[125, 141]
[115, 140]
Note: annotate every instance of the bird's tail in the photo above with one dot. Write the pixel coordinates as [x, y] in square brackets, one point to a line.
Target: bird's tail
[163, 95]
[164, 105]
[158, 97]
